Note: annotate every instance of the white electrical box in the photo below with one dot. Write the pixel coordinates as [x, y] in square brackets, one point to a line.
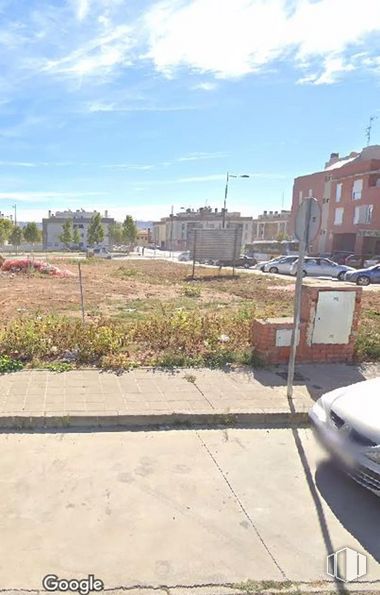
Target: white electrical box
[284, 337]
[334, 317]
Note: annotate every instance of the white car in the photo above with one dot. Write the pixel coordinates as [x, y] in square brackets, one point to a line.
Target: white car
[100, 252]
[347, 423]
[184, 256]
[281, 264]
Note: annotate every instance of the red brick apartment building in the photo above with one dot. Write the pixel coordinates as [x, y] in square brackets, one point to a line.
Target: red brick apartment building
[348, 190]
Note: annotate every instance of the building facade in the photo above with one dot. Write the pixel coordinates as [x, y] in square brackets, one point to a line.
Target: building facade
[272, 225]
[52, 228]
[348, 191]
[174, 232]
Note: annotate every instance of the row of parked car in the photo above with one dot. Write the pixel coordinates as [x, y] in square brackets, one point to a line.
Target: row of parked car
[322, 267]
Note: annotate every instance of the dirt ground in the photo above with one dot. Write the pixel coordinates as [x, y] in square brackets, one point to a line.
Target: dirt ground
[119, 288]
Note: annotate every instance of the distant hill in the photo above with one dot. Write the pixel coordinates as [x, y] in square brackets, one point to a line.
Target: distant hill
[144, 224]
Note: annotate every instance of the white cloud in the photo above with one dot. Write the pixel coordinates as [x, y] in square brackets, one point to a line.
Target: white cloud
[206, 86]
[200, 155]
[32, 196]
[115, 107]
[232, 38]
[82, 9]
[128, 166]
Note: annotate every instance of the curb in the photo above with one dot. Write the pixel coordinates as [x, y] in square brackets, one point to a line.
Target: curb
[151, 421]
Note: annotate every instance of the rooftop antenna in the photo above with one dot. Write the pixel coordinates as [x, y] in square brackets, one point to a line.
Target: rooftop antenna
[369, 129]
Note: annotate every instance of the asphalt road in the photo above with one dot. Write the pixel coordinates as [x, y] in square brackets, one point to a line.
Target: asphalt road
[177, 508]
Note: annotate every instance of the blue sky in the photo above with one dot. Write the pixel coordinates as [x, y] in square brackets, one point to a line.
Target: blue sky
[135, 106]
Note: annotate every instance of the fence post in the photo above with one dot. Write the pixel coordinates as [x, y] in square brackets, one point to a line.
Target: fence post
[194, 247]
[81, 291]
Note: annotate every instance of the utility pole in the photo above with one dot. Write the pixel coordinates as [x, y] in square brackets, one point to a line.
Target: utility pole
[369, 129]
[225, 202]
[171, 230]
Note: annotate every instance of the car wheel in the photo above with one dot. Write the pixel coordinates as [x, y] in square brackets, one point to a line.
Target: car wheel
[363, 280]
[341, 276]
[273, 270]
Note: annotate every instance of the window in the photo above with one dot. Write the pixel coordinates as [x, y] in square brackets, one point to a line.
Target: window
[363, 214]
[357, 189]
[338, 195]
[300, 197]
[310, 192]
[338, 216]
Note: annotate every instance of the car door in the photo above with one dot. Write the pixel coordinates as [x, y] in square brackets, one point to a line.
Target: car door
[328, 268]
[312, 267]
[375, 277]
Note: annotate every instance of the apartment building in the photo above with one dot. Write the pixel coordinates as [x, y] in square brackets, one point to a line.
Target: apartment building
[348, 190]
[174, 232]
[271, 225]
[52, 228]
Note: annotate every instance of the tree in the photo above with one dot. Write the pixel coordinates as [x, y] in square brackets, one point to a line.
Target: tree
[76, 237]
[66, 236]
[129, 230]
[6, 226]
[95, 232]
[16, 236]
[281, 237]
[32, 234]
[115, 232]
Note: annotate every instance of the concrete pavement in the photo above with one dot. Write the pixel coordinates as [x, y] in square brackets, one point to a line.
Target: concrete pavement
[179, 512]
[145, 397]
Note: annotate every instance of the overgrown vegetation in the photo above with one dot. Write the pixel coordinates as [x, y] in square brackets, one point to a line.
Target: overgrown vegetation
[8, 364]
[148, 313]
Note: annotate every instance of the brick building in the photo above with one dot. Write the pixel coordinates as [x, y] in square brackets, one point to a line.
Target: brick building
[348, 190]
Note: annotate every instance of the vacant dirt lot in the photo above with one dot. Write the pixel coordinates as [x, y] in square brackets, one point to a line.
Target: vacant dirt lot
[133, 288]
[147, 313]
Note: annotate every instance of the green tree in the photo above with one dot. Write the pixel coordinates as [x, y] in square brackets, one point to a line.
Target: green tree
[16, 236]
[95, 232]
[6, 226]
[115, 232]
[76, 236]
[129, 230]
[66, 237]
[32, 234]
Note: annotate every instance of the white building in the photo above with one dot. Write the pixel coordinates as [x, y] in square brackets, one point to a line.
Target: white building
[52, 228]
[173, 232]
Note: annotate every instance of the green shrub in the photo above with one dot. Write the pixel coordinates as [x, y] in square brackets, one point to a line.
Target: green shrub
[8, 364]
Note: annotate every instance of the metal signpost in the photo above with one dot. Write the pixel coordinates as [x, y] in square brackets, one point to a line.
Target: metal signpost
[308, 222]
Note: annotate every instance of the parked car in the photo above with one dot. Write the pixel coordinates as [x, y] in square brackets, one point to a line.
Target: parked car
[184, 256]
[245, 262]
[99, 252]
[347, 423]
[321, 267]
[339, 257]
[364, 276]
[356, 261]
[371, 261]
[281, 264]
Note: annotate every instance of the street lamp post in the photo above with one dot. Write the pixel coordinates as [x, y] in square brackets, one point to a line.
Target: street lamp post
[226, 194]
[15, 222]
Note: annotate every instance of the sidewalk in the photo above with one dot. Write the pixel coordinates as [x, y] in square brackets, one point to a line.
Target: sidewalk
[149, 397]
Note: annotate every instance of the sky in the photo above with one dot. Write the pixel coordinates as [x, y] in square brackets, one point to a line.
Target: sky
[136, 106]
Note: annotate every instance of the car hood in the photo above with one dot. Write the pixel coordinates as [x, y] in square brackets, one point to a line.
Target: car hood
[365, 270]
[359, 406]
